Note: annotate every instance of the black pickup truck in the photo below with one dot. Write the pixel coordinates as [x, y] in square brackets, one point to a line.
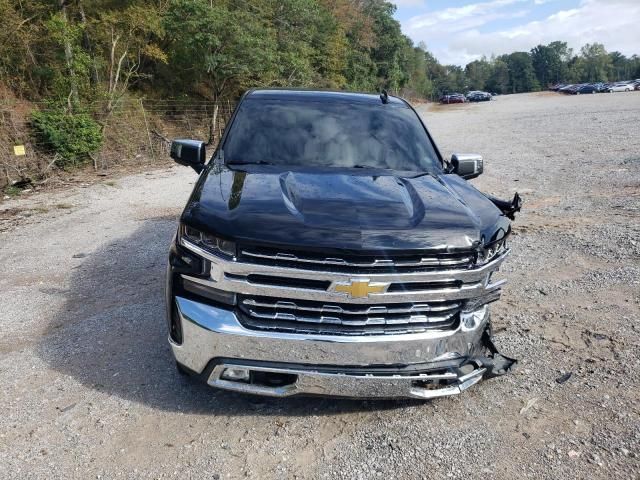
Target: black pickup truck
[328, 249]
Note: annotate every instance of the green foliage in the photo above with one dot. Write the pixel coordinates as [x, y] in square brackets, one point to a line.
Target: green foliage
[11, 190]
[69, 69]
[478, 73]
[597, 62]
[99, 50]
[550, 62]
[216, 48]
[498, 81]
[522, 77]
[73, 136]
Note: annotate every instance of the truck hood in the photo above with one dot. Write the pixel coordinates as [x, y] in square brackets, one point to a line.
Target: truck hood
[342, 209]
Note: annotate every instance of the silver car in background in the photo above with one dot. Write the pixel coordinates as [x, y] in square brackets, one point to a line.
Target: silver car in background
[620, 87]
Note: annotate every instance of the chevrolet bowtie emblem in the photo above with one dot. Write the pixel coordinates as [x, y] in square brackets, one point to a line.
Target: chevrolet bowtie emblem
[359, 288]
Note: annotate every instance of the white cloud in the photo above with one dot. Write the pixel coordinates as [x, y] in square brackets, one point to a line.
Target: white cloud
[454, 34]
[408, 3]
[458, 17]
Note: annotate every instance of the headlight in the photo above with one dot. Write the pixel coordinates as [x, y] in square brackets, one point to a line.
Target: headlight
[492, 251]
[208, 242]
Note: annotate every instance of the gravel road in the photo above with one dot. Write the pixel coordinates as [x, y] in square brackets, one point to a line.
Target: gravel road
[89, 389]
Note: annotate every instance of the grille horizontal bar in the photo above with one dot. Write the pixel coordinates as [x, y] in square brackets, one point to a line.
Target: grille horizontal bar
[351, 309]
[360, 262]
[314, 316]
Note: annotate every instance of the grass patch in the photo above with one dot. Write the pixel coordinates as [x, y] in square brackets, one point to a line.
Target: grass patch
[12, 190]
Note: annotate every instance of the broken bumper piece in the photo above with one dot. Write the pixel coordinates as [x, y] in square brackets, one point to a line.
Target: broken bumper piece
[508, 207]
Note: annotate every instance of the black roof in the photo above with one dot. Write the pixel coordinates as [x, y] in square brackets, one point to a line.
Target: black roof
[321, 96]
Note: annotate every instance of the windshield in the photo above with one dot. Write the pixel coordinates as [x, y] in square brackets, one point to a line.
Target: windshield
[329, 134]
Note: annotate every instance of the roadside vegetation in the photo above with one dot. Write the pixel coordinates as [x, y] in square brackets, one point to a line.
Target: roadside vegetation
[106, 82]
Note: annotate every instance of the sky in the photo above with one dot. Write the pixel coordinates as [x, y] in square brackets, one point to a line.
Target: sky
[460, 31]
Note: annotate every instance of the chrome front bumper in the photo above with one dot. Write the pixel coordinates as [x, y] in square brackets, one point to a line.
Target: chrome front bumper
[312, 382]
[421, 365]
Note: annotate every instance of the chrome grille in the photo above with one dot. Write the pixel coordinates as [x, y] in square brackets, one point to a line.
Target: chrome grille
[318, 317]
[359, 263]
[299, 292]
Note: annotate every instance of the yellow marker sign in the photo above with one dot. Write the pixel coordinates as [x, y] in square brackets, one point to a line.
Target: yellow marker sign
[18, 150]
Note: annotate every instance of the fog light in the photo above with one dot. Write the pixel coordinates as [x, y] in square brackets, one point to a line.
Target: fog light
[236, 374]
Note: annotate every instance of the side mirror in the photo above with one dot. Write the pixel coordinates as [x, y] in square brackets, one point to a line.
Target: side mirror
[467, 165]
[190, 153]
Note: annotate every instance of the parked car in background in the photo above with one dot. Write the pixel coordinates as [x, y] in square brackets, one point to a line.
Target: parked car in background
[620, 87]
[477, 96]
[597, 87]
[453, 98]
[586, 89]
[567, 88]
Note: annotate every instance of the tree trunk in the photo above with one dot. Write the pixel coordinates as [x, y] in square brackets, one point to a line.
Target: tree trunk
[95, 79]
[68, 56]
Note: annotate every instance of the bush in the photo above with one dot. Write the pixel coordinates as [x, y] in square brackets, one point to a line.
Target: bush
[73, 136]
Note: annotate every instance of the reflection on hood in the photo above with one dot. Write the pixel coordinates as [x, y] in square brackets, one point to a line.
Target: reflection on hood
[342, 209]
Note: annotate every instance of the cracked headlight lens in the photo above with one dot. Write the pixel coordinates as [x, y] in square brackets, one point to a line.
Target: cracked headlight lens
[210, 243]
[492, 251]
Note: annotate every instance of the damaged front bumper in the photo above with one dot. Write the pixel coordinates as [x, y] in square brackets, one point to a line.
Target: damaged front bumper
[424, 365]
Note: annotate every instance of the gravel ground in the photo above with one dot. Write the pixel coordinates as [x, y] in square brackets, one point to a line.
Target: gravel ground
[90, 390]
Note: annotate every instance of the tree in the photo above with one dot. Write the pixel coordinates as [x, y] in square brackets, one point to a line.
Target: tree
[620, 66]
[390, 42]
[20, 32]
[550, 62]
[418, 84]
[128, 38]
[575, 69]
[294, 28]
[217, 49]
[597, 63]
[521, 73]
[498, 81]
[478, 73]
